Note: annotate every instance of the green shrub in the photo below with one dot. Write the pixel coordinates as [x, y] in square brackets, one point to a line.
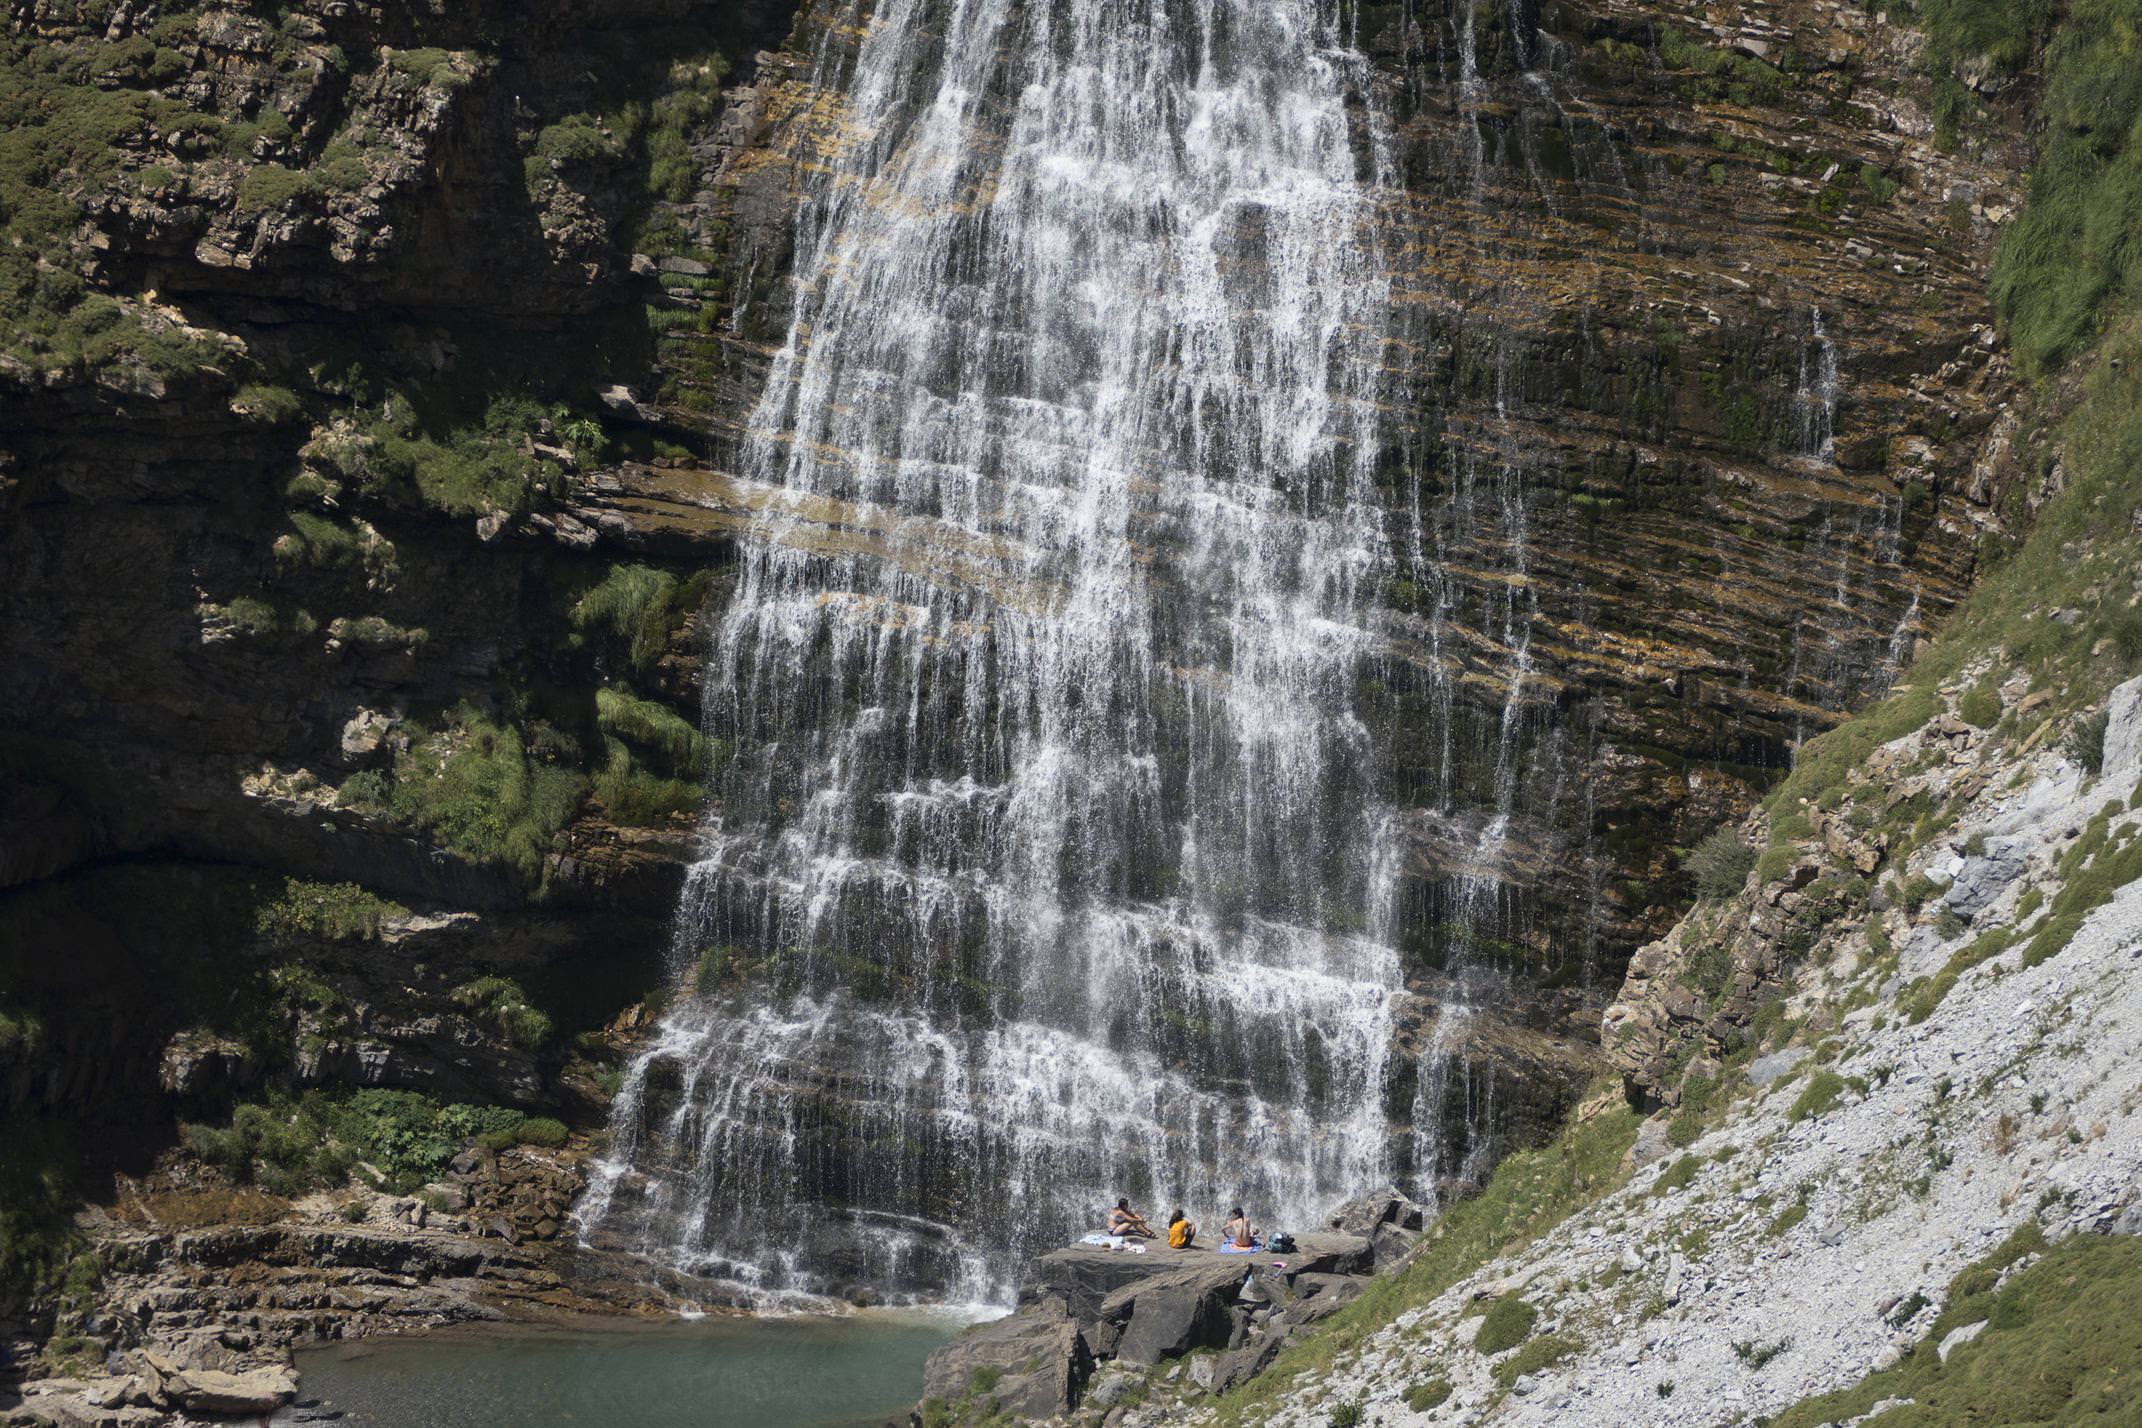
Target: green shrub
[1677, 1176]
[1506, 1324]
[268, 405]
[1980, 707]
[267, 188]
[342, 169]
[1345, 1414]
[461, 468]
[2085, 743]
[506, 1006]
[38, 1241]
[317, 541]
[1721, 864]
[1425, 1396]
[434, 67]
[653, 727]
[1819, 1096]
[1537, 1354]
[332, 910]
[692, 97]
[634, 798]
[639, 609]
[543, 1131]
[473, 786]
[298, 1144]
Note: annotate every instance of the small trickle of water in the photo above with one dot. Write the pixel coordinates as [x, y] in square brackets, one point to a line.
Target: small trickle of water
[1815, 398]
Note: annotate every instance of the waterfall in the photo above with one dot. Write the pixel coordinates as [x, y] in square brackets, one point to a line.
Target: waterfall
[1048, 865]
[1815, 398]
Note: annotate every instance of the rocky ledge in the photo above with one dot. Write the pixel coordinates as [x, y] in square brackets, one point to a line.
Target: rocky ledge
[1095, 1324]
[208, 1289]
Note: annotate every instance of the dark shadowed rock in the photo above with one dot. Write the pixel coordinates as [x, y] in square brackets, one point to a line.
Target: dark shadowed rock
[1176, 1311]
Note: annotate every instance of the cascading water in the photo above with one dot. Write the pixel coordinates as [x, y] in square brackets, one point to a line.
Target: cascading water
[1815, 398]
[1049, 863]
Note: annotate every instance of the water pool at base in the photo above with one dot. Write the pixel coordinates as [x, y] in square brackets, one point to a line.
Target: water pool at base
[797, 1372]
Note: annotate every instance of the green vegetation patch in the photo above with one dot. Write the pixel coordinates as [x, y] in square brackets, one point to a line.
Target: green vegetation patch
[635, 611]
[501, 1001]
[2060, 1346]
[293, 1144]
[474, 786]
[1821, 1094]
[1720, 864]
[1505, 1325]
[1677, 1176]
[1542, 1352]
[336, 911]
[1433, 1393]
[2073, 252]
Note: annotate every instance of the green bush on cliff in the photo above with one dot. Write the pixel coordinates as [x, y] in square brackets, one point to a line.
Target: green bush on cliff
[290, 1145]
[268, 188]
[653, 727]
[38, 1242]
[636, 610]
[1540, 1353]
[693, 92]
[542, 1131]
[430, 66]
[2074, 250]
[335, 911]
[434, 461]
[501, 1001]
[473, 786]
[631, 797]
[1720, 864]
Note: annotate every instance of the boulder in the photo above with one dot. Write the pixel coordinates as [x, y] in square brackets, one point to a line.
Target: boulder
[1982, 879]
[1957, 1338]
[1390, 1245]
[1243, 1364]
[1650, 1143]
[2123, 735]
[1043, 1360]
[1336, 1288]
[1387, 1206]
[1764, 1070]
[1170, 1314]
[254, 1392]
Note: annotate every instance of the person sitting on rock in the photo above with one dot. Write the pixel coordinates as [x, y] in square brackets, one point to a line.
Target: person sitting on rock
[1181, 1232]
[1125, 1221]
[1239, 1231]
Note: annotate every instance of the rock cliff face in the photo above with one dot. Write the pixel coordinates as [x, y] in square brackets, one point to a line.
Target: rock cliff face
[366, 474]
